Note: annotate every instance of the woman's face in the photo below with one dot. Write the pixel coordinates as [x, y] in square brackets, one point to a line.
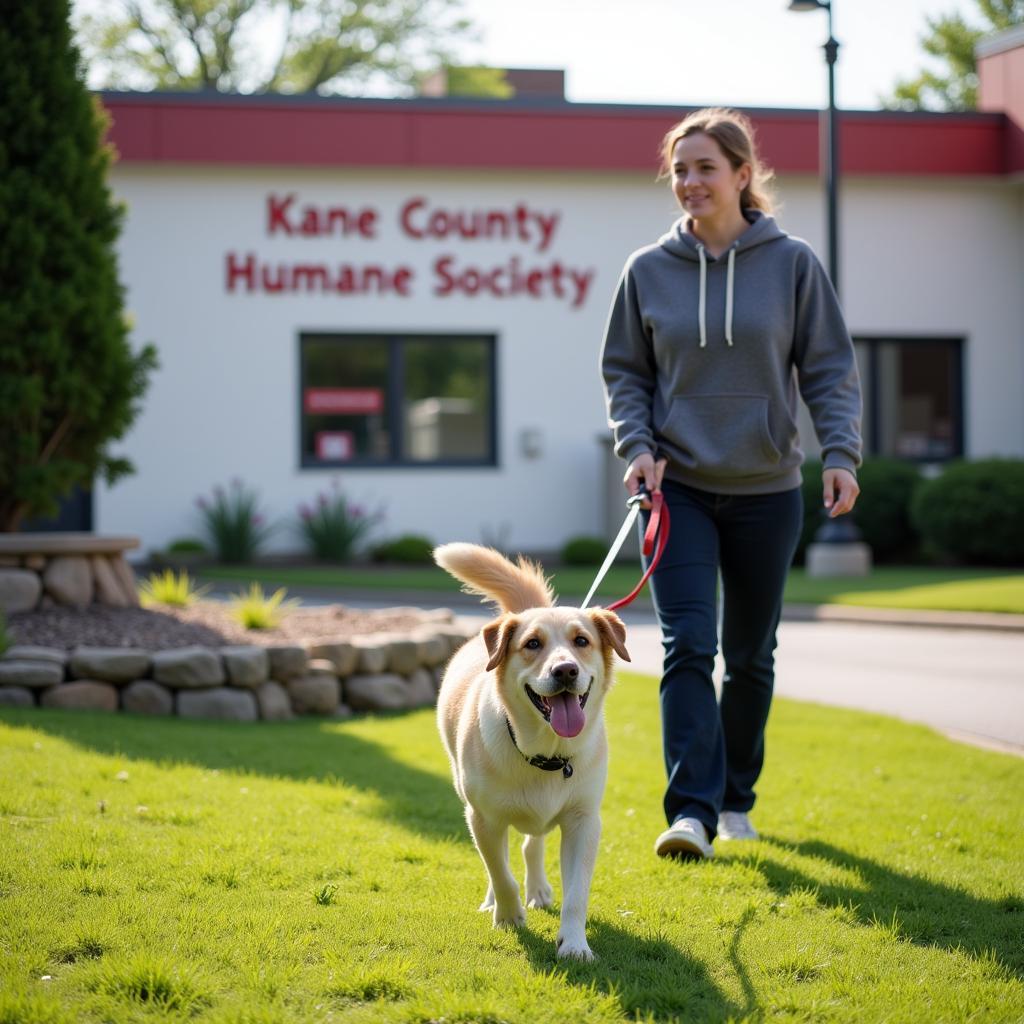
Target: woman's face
[704, 182]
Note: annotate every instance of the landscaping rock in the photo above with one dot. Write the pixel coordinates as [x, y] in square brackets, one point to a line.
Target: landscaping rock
[16, 697]
[431, 648]
[403, 656]
[379, 692]
[317, 694]
[188, 668]
[36, 675]
[273, 702]
[287, 661]
[373, 656]
[19, 590]
[342, 712]
[30, 652]
[68, 580]
[83, 695]
[421, 688]
[111, 664]
[37, 563]
[126, 576]
[108, 586]
[144, 697]
[342, 654]
[246, 665]
[223, 702]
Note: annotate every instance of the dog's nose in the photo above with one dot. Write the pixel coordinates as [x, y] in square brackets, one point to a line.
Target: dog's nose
[565, 672]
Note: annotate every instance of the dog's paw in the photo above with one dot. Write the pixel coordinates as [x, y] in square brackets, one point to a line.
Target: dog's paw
[575, 949]
[540, 896]
[488, 903]
[512, 917]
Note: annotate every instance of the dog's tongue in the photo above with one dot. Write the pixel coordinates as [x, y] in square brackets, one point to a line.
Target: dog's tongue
[567, 718]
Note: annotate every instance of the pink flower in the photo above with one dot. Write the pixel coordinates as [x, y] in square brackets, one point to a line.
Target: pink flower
[202, 503]
[306, 512]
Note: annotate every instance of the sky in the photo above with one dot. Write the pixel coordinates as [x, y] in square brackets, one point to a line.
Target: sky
[748, 53]
[736, 52]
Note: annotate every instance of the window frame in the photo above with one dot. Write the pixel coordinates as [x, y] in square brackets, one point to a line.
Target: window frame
[873, 422]
[395, 340]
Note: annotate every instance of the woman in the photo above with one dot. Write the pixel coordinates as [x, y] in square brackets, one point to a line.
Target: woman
[705, 332]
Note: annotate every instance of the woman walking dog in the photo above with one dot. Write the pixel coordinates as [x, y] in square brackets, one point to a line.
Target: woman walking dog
[712, 331]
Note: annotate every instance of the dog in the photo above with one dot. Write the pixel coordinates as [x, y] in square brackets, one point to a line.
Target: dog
[520, 715]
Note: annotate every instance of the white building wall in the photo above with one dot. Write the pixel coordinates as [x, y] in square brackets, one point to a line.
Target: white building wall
[224, 404]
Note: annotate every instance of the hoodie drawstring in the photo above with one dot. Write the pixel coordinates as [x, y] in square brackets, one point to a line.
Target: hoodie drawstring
[702, 303]
[730, 280]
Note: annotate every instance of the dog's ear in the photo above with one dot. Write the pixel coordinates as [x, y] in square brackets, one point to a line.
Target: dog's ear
[497, 636]
[612, 631]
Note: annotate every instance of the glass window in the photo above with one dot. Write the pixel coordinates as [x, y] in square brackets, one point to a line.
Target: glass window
[397, 399]
[913, 397]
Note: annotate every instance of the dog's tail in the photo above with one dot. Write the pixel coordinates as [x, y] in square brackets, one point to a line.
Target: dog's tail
[483, 571]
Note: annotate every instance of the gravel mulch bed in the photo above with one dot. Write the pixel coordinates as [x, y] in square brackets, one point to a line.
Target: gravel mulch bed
[207, 623]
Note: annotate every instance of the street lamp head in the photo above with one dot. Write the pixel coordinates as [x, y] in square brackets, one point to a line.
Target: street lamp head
[809, 5]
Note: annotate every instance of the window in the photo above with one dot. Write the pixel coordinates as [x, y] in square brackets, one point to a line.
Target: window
[913, 397]
[412, 400]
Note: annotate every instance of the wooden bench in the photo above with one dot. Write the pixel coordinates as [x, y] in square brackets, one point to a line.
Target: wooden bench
[72, 569]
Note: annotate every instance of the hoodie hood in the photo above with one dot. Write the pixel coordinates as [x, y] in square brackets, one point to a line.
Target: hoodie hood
[682, 243]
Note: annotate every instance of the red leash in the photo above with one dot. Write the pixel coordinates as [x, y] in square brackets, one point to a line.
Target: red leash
[657, 526]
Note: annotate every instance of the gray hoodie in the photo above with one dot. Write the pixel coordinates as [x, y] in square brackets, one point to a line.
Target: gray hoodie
[702, 358]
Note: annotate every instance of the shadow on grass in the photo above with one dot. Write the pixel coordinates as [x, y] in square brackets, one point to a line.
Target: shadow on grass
[305, 749]
[919, 911]
[650, 977]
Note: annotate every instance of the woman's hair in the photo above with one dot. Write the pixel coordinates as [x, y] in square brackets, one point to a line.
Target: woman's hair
[735, 137]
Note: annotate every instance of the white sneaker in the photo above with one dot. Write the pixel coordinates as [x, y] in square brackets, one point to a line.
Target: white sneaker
[687, 839]
[735, 825]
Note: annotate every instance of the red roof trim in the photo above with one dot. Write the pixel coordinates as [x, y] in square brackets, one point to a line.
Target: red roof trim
[290, 131]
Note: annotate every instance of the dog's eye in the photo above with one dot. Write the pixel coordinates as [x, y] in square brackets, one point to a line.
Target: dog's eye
[533, 644]
[581, 641]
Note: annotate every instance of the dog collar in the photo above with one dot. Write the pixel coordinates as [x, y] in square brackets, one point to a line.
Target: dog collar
[545, 764]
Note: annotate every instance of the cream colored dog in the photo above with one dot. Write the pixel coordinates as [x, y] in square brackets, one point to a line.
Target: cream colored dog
[520, 715]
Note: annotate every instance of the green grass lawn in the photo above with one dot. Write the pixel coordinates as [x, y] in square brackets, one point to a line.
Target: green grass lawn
[979, 590]
[311, 871]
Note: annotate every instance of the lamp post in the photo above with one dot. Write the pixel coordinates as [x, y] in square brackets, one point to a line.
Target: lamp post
[832, 140]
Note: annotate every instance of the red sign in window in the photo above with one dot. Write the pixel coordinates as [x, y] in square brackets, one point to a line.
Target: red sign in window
[348, 401]
[334, 445]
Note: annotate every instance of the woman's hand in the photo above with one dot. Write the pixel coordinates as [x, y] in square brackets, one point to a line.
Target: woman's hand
[841, 490]
[644, 470]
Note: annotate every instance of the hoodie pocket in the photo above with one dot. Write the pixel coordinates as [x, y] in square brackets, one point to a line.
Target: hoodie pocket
[720, 435]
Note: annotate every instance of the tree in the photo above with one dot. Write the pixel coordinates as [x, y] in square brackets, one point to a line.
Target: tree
[69, 381]
[322, 45]
[952, 40]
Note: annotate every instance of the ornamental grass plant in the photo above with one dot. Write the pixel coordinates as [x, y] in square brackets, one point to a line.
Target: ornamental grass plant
[254, 609]
[313, 870]
[334, 528]
[234, 524]
[178, 590]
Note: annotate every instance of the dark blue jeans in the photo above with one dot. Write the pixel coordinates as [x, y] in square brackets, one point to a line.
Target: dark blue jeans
[714, 750]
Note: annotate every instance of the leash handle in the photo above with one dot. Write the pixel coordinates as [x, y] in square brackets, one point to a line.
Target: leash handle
[657, 526]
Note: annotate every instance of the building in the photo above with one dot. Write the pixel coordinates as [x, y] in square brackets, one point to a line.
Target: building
[408, 296]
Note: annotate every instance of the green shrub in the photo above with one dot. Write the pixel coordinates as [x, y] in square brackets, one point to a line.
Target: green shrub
[882, 512]
[187, 546]
[584, 551]
[255, 610]
[169, 588]
[234, 524]
[333, 527]
[973, 512]
[409, 549]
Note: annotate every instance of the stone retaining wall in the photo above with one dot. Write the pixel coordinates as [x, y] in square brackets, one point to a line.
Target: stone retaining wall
[73, 569]
[368, 673]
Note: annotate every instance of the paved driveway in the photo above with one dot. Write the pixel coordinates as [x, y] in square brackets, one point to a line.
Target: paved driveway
[967, 683]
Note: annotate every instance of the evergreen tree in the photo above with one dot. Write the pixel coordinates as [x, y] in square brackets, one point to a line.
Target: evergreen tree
[69, 381]
[951, 40]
